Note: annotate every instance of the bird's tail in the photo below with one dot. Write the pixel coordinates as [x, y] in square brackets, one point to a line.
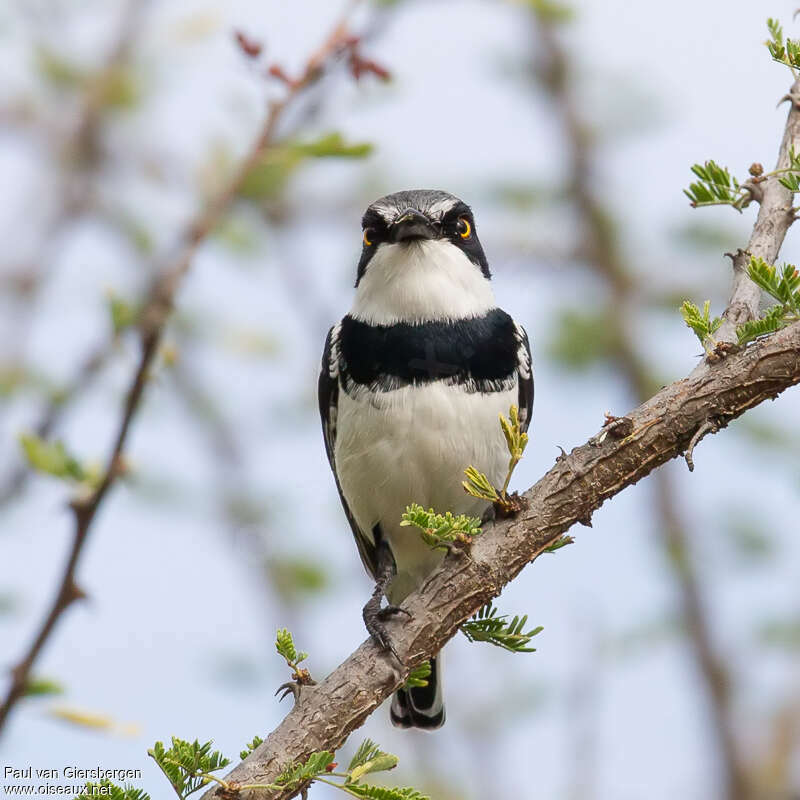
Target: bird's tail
[421, 706]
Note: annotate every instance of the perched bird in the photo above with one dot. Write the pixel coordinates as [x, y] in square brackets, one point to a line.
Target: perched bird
[412, 382]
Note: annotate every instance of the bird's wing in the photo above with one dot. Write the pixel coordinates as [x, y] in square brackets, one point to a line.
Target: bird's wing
[328, 391]
[525, 377]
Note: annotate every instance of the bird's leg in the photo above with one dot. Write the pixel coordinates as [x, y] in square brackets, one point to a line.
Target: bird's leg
[374, 615]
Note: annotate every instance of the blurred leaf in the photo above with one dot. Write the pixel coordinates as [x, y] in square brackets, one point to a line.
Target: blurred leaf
[236, 671]
[51, 458]
[123, 314]
[236, 234]
[582, 338]
[8, 603]
[37, 687]
[748, 536]
[58, 71]
[524, 196]
[295, 578]
[245, 511]
[549, 11]
[252, 343]
[707, 237]
[781, 633]
[269, 176]
[645, 636]
[12, 378]
[768, 435]
[83, 719]
[332, 145]
[118, 88]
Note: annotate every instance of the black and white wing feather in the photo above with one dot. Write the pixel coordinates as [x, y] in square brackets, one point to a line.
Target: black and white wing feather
[524, 377]
[328, 391]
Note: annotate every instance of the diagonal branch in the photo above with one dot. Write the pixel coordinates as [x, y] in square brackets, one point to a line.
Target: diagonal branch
[153, 319]
[570, 492]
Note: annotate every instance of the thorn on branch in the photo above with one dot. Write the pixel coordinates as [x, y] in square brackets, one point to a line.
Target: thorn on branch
[754, 189]
[707, 427]
[793, 97]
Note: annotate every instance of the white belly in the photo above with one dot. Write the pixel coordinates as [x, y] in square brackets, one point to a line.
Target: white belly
[411, 445]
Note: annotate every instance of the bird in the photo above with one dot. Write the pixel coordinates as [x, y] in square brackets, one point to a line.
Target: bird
[412, 381]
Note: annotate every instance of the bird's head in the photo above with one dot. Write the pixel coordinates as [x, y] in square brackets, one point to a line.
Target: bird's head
[421, 259]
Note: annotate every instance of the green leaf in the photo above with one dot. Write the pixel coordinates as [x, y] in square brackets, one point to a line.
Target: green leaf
[51, 458]
[773, 320]
[250, 747]
[366, 750]
[700, 322]
[106, 788]
[439, 530]
[284, 644]
[187, 764]
[715, 186]
[487, 626]
[315, 764]
[383, 792]
[418, 677]
[478, 485]
[562, 541]
[381, 762]
[783, 51]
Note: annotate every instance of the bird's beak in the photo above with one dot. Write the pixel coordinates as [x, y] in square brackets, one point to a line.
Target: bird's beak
[411, 224]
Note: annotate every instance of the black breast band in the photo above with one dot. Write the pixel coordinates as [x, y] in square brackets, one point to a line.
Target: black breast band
[480, 353]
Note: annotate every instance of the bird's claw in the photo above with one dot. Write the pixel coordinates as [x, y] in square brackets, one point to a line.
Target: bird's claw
[387, 612]
[374, 619]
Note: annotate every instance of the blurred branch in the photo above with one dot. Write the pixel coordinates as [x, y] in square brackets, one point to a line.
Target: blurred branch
[602, 254]
[79, 155]
[153, 318]
[656, 432]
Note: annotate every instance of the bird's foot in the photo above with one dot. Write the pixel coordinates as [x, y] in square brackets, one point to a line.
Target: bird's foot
[375, 619]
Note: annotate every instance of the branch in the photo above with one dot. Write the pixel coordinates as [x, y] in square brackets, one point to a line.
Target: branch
[570, 492]
[775, 216]
[152, 321]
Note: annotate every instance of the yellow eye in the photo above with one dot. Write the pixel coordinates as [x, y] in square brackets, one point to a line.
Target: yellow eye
[367, 234]
[464, 228]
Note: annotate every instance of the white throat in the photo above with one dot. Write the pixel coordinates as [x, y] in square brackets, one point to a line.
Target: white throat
[421, 281]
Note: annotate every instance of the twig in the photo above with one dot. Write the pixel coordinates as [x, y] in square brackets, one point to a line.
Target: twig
[573, 488]
[154, 316]
[706, 427]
